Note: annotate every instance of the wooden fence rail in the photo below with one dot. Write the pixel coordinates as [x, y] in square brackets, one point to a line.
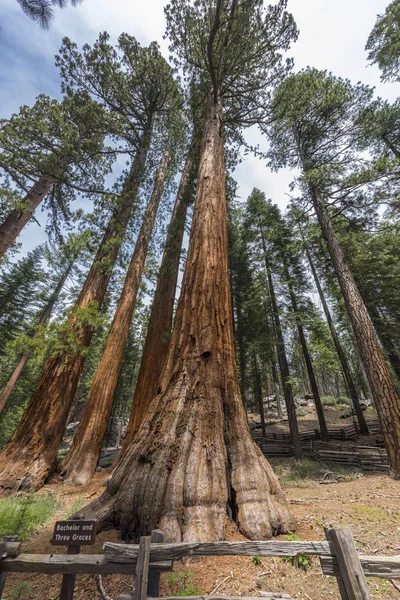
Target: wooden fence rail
[146, 560]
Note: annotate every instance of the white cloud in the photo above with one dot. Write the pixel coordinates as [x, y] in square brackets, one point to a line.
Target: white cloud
[332, 37]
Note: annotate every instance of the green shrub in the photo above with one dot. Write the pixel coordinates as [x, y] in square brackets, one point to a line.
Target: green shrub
[257, 560]
[300, 412]
[180, 584]
[21, 515]
[329, 400]
[301, 561]
[345, 400]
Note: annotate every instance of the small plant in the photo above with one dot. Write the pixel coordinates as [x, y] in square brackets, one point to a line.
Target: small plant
[300, 412]
[180, 584]
[77, 505]
[20, 516]
[329, 400]
[21, 590]
[257, 560]
[301, 561]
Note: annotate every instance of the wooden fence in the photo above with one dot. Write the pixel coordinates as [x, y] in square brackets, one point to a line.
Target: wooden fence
[371, 457]
[338, 557]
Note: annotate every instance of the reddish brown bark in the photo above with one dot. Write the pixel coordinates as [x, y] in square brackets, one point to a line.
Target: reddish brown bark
[14, 223]
[28, 458]
[160, 323]
[42, 320]
[193, 457]
[387, 401]
[348, 378]
[81, 461]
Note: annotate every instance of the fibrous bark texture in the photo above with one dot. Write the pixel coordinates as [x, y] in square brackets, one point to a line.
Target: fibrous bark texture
[14, 223]
[193, 457]
[81, 461]
[387, 401]
[347, 376]
[160, 323]
[29, 456]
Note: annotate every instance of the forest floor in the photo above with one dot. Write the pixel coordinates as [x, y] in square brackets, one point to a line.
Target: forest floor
[368, 504]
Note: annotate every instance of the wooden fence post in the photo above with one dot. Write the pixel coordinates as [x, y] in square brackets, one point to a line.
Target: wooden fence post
[352, 582]
[153, 587]
[142, 568]
[68, 581]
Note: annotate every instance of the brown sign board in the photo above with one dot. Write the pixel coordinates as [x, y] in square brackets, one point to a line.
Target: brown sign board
[74, 533]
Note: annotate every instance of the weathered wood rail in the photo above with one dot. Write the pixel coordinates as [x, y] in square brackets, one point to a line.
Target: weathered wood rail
[367, 457]
[146, 560]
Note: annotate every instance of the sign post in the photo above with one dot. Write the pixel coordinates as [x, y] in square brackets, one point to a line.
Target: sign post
[74, 534]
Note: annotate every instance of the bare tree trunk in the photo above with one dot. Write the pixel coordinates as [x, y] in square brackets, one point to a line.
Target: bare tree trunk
[259, 394]
[16, 220]
[386, 341]
[387, 401]
[29, 457]
[80, 463]
[193, 458]
[340, 352]
[282, 359]
[160, 323]
[307, 357]
[277, 390]
[43, 318]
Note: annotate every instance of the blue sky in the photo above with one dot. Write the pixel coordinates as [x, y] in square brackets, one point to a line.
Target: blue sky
[332, 37]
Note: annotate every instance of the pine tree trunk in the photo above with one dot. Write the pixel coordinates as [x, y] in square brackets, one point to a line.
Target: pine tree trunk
[29, 457]
[259, 394]
[14, 223]
[282, 359]
[160, 323]
[386, 341]
[242, 351]
[307, 358]
[387, 401]
[277, 389]
[352, 390]
[44, 317]
[80, 463]
[193, 458]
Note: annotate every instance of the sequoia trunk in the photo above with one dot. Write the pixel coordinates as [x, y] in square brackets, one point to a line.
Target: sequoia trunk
[307, 358]
[81, 461]
[160, 323]
[28, 458]
[14, 223]
[193, 458]
[387, 401]
[44, 317]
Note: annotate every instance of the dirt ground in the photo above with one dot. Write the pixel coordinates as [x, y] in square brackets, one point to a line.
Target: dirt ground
[370, 505]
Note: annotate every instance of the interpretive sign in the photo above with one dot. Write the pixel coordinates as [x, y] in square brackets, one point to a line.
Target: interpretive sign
[74, 533]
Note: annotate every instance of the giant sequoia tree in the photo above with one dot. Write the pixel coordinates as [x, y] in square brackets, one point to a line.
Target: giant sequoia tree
[135, 86]
[193, 455]
[316, 129]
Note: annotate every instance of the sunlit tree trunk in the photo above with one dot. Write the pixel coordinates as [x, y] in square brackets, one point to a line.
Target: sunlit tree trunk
[193, 458]
[160, 323]
[29, 456]
[341, 353]
[80, 463]
[387, 401]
